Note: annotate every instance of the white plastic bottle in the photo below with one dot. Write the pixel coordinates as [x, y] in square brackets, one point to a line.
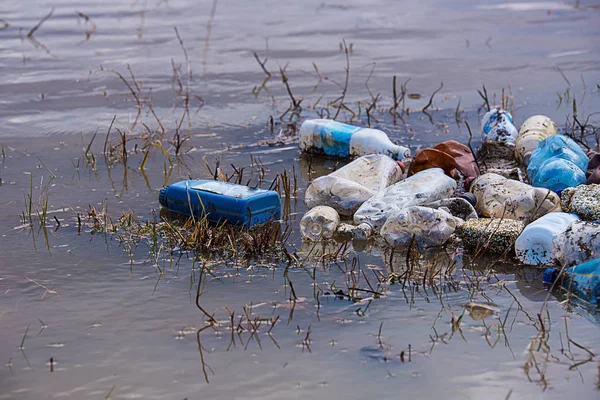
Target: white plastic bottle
[421, 188]
[497, 127]
[534, 130]
[499, 197]
[350, 186]
[536, 245]
[319, 223]
[579, 243]
[429, 227]
[332, 138]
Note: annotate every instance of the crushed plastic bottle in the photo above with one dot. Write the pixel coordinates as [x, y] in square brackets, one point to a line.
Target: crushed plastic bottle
[579, 243]
[350, 186]
[498, 197]
[497, 127]
[422, 188]
[557, 163]
[493, 235]
[332, 138]
[222, 202]
[583, 200]
[319, 223]
[534, 130]
[583, 280]
[429, 227]
[536, 245]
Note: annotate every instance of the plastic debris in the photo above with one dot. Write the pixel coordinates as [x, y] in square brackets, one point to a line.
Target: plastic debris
[497, 126]
[479, 311]
[332, 138]
[450, 156]
[498, 197]
[353, 184]
[492, 235]
[537, 244]
[422, 188]
[583, 280]
[534, 130]
[222, 202]
[459, 207]
[319, 223]
[583, 200]
[579, 243]
[427, 226]
[557, 163]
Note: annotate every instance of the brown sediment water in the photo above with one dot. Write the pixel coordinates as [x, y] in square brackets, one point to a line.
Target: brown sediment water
[82, 315]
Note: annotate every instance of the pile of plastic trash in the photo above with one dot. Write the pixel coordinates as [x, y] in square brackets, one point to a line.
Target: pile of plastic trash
[540, 200]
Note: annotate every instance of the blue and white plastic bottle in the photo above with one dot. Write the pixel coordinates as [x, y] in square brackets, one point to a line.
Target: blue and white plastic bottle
[222, 202]
[557, 163]
[583, 280]
[332, 138]
[497, 126]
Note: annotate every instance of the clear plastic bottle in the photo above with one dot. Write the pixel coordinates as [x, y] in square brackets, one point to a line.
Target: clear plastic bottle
[499, 197]
[429, 227]
[579, 243]
[536, 245]
[319, 223]
[497, 126]
[421, 188]
[534, 130]
[557, 163]
[350, 186]
[332, 138]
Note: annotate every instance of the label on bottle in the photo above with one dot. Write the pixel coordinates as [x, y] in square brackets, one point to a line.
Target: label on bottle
[335, 138]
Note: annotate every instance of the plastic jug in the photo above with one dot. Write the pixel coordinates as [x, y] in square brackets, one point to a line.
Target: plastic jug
[332, 138]
[497, 126]
[422, 188]
[493, 235]
[499, 197]
[583, 200]
[429, 227]
[579, 243]
[557, 163]
[534, 130]
[583, 280]
[319, 223]
[222, 202]
[353, 184]
[536, 245]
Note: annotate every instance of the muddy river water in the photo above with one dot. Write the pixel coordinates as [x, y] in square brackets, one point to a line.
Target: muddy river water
[81, 316]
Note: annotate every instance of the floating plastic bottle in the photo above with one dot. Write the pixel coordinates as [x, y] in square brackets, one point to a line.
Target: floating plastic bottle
[319, 223]
[537, 245]
[350, 186]
[497, 127]
[534, 130]
[557, 163]
[427, 226]
[583, 200]
[332, 138]
[222, 202]
[499, 197]
[422, 188]
[492, 235]
[579, 243]
[583, 280]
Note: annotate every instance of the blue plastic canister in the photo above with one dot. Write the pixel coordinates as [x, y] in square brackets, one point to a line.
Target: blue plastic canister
[222, 202]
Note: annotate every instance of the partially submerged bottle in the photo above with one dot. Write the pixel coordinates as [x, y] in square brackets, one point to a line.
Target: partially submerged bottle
[332, 138]
[222, 202]
[319, 223]
[534, 130]
[557, 163]
[497, 127]
[353, 184]
[537, 244]
[422, 188]
[583, 200]
[583, 280]
[499, 197]
[579, 243]
[491, 235]
[427, 226]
